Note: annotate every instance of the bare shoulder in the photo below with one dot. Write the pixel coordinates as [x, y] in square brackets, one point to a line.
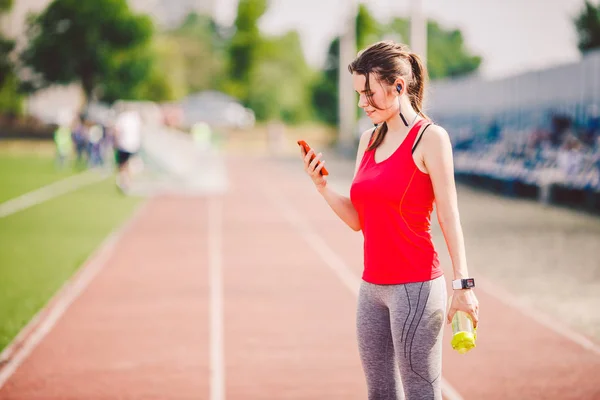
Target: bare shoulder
[365, 137]
[436, 132]
[436, 136]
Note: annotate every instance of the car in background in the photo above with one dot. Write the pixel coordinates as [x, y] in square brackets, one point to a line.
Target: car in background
[216, 109]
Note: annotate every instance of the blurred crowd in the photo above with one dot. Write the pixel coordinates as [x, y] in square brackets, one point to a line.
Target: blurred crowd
[83, 142]
[556, 147]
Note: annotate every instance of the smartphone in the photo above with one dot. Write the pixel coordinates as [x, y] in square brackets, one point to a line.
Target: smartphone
[307, 149]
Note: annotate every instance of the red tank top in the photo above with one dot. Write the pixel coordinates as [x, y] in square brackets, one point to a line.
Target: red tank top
[394, 201]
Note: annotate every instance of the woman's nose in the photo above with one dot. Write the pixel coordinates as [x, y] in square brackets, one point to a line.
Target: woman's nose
[362, 101]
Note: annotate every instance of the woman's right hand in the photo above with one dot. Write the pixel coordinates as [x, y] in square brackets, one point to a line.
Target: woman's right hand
[313, 168]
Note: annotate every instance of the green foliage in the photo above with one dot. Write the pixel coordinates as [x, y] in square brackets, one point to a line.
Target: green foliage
[6, 65]
[171, 63]
[325, 89]
[447, 55]
[368, 29]
[193, 55]
[6, 47]
[278, 87]
[74, 40]
[11, 101]
[6, 5]
[587, 24]
[244, 46]
[135, 76]
[268, 74]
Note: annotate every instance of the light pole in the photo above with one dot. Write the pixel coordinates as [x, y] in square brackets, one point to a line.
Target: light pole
[418, 29]
[346, 98]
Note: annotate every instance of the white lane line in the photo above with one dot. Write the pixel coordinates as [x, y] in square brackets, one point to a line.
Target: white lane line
[50, 191]
[341, 269]
[43, 322]
[215, 265]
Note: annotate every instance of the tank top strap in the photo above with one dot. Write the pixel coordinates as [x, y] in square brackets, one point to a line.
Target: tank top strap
[412, 134]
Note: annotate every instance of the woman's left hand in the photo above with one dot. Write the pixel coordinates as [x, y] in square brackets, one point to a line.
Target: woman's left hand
[464, 300]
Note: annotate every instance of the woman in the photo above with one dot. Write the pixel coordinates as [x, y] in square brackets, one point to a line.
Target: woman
[403, 165]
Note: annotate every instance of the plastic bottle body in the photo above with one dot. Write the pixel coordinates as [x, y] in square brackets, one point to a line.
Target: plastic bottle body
[463, 332]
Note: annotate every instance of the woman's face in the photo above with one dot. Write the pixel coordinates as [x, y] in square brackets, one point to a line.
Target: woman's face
[382, 95]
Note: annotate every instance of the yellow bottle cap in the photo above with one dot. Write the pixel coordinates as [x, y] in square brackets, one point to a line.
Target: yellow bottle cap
[463, 341]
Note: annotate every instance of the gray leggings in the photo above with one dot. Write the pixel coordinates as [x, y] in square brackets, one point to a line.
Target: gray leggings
[400, 329]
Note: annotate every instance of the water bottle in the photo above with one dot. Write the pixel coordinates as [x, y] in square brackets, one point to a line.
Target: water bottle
[464, 333]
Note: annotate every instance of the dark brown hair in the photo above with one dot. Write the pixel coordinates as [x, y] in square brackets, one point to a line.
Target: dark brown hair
[389, 61]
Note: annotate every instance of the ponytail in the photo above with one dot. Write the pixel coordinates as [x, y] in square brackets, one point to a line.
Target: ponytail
[416, 88]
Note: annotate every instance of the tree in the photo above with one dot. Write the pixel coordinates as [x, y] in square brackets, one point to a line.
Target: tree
[196, 53]
[83, 41]
[6, 65]
[11, 100]
[325, 89]
[368, 29]
[447, 55]
[6, 47]
[587, 24]
[278, 82]
[243, 47]
[6, 5]
[134, 75]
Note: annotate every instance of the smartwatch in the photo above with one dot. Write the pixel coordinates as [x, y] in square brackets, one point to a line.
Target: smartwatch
[467, 283]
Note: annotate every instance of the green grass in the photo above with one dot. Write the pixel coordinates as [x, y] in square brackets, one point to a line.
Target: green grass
[20, 173]
[41, 247]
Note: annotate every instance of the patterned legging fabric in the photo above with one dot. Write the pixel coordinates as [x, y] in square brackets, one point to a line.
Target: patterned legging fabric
[400, 330]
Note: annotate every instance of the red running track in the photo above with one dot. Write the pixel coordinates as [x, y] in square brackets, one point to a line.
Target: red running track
[251, 295]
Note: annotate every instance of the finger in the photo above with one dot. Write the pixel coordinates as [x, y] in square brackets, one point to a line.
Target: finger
[451, 313]
[316, 171]
[474, 317]
[320, 167]
[307, 157]
[314, 162]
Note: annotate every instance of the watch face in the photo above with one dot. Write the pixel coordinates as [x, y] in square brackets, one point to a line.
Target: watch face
[469, 283]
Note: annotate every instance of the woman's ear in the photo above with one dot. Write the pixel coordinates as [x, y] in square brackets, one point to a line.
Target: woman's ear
[399, 86]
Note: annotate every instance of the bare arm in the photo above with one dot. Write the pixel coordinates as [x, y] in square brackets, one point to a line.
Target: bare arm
[340, 204]
[437, 157]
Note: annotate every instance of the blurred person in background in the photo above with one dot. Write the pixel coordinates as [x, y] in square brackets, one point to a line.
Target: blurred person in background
[95, 137]
[128, 141]
[592, 126]
[79, 138]
[403, 165]
[62, 139]
[202, 135]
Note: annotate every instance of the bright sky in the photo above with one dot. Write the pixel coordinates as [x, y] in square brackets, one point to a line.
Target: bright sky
[513, 36]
